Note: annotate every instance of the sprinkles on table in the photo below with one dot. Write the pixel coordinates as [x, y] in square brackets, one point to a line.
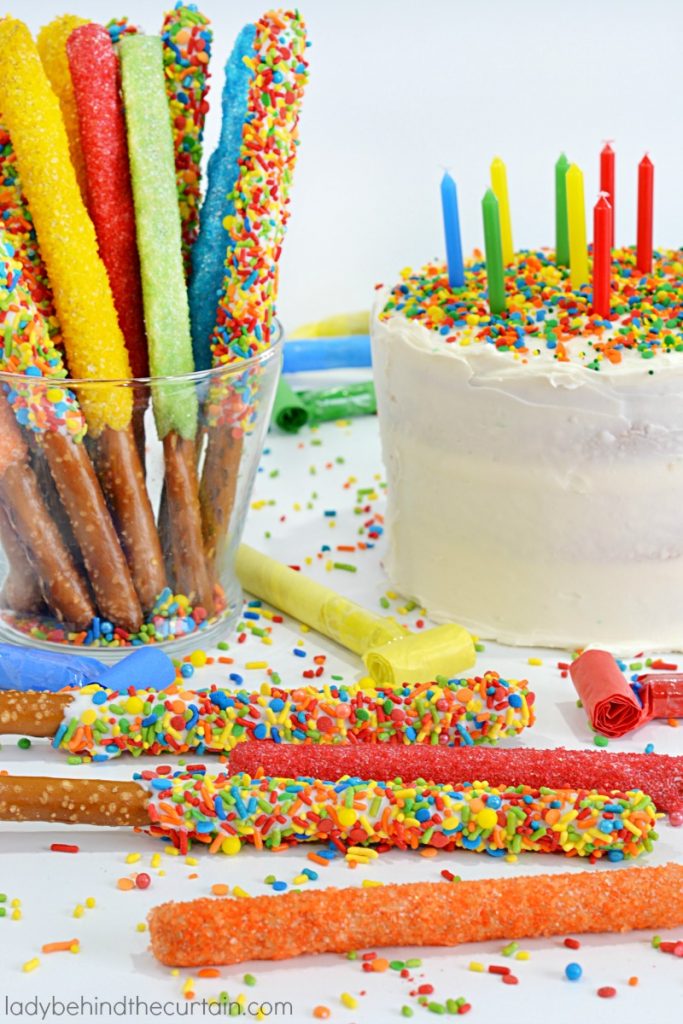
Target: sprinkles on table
[271, 813]
[103, 724]
[545, 317]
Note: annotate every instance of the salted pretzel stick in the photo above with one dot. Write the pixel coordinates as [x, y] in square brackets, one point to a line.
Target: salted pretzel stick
[205, 931]
[93, 340]
[72, 801]
[21, 591]
[224, 811]
[41, 712]
[24, 506]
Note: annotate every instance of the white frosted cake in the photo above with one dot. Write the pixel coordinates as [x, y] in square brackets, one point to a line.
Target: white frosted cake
[535, 460]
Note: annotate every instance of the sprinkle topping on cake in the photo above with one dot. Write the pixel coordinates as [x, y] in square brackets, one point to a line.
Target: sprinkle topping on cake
[545, 316]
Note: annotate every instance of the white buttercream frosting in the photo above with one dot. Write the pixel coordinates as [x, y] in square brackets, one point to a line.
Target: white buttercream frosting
[535, 502]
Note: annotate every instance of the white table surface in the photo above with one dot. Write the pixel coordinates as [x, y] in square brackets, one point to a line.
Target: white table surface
[301, 478]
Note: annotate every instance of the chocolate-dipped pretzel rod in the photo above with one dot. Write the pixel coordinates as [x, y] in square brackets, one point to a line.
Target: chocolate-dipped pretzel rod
[204, 931]
[224, 811]
[60, 581]
[104, 724]
[92, 336]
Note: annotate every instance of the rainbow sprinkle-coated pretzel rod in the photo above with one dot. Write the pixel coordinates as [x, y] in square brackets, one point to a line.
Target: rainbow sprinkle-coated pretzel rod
[262, 142]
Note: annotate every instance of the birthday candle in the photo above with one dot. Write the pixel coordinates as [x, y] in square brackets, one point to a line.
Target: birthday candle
[607, 180]
[494, 253]
[576, 216]
[602, 256]
[646, 181]
[451, 223]
[499, 184]
[561, 225]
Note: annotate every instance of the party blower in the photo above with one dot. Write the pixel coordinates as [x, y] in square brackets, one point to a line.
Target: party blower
[391, 654]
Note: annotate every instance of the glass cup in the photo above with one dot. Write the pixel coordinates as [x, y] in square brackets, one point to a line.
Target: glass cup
[125, 533]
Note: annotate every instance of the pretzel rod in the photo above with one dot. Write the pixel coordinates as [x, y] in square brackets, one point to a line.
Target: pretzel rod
[158, 228]
[82, 497]
[258, 147]
[182, 519]
[21, 590]
[466, 711]
[224, 811]
[205, 931]
[95, 75]
[32, 714]
[186, 36]
[24, 505]
[72, 801]
[52, 40]
[88, 318]
[54, 418]
[18, 224]
[121, 473]
[218, 486]
[659, 775]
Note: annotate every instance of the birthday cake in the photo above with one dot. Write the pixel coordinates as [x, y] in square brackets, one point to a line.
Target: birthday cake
[535, 458]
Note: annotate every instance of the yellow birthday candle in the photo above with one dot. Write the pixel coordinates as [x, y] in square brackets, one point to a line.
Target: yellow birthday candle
[499, 184]
[576, 218]
[92, 336]
[52, 48]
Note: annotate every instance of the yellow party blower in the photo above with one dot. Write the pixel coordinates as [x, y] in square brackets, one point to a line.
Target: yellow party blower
[391, 654]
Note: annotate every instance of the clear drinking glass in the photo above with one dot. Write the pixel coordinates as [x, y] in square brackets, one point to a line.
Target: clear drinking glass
[128, 535]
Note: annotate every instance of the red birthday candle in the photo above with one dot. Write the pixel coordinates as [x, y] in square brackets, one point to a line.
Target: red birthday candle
[646, 180]
[602, 255]
[607, 179]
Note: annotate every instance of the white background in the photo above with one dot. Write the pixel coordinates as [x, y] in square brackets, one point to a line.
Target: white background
[400, 89]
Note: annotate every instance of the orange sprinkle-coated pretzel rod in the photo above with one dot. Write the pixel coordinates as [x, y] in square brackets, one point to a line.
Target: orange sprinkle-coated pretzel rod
[206, 931]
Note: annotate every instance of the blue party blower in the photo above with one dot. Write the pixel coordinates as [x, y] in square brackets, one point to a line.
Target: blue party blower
[25, 669]
[327, 353]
